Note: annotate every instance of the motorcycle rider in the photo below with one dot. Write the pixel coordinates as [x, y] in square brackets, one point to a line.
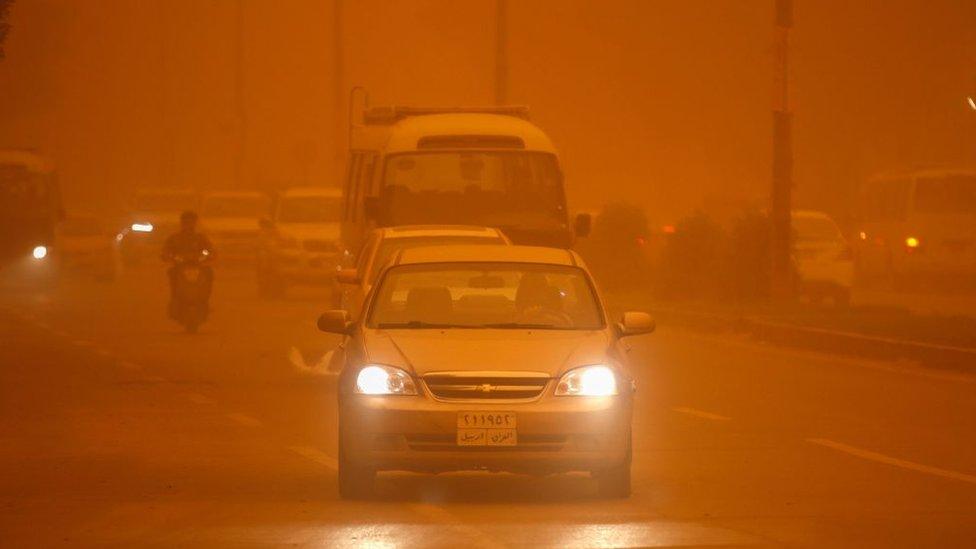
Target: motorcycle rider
[187, 243]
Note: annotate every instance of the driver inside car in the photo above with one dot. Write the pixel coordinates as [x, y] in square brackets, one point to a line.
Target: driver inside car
[536, 301]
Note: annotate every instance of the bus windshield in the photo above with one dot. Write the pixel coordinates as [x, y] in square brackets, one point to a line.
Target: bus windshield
[490, 187]
[946, 195]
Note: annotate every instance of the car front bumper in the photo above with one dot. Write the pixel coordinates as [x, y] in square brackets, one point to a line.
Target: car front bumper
[418, 433]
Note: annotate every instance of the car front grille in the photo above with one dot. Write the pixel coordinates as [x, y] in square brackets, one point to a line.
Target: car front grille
[526, 443]
[464, 386]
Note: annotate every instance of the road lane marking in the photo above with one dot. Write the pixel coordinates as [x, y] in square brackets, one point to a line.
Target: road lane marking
[104, 352]
[129, 365]
[197, 398]
[317, 456]
[83, 342]
[701, 414]
[442, 516]
[888, 460]
[156, 379]
[245, 420]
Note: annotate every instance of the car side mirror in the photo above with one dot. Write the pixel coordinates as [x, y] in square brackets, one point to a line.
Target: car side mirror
[266, 224]
[347, 276]
[582, 225]
[636, 323]
[334, 322]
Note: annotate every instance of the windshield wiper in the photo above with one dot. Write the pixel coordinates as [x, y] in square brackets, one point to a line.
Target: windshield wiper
[517, 325]
[415, 324]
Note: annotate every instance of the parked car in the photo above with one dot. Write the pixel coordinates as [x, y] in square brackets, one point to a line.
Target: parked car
[153, 215]
[823, 258]
[231, 220]
[88, 247]
[484, 357]
[383, 244]
[300, 243]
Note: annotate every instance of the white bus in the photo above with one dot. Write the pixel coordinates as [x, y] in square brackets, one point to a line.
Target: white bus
[917, 224]
[484, 166]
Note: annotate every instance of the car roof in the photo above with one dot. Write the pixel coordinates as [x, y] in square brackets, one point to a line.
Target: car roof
[332, 192]
[405, 135]
[474, 253]
[411, 231]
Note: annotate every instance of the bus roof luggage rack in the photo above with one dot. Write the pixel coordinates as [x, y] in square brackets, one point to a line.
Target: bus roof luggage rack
[395, 113]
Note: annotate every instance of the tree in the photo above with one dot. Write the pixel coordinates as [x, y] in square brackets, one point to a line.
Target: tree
[4, 26]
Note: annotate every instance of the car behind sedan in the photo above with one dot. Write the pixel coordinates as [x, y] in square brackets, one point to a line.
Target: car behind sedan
[496, 358]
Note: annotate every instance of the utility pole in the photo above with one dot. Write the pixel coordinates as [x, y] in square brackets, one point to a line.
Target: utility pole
[781, 198]
[501, 51]
[338, 92]
[239, 107]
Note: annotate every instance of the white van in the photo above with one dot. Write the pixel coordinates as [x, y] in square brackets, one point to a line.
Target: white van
[918, 223]
[484, 166]
[300, 244]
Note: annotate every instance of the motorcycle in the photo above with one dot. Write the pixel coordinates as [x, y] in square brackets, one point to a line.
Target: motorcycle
[192, 279]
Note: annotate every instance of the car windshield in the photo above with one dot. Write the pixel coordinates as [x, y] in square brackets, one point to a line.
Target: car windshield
[486, 295]
[164, 202]
[946, 195]
[390, 246]
[310, 209]
[235, 206]
[815, 229]
[472, 186]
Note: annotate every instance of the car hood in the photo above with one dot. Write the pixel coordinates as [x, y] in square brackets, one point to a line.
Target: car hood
[549, 351]
[308, 231]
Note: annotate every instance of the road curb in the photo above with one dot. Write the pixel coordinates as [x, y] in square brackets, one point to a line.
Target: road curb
[825, 340]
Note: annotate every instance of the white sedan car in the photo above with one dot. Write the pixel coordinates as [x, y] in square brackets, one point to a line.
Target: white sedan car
[498, 358]
[824, 259]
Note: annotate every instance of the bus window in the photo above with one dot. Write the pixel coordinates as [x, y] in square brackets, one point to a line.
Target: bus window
[489, 187]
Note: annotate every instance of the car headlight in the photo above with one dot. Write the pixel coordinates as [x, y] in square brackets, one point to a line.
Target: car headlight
[596, 380]
[142, 227]
[377, 379]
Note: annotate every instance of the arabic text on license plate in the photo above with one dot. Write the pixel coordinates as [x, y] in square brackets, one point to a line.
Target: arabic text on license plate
[486, 429]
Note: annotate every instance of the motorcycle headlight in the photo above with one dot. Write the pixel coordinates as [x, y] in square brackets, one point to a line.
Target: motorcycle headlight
[39, 252]
[377, 379]
[596, 380]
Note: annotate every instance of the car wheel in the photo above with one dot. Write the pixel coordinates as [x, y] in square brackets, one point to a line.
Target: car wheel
[614, 482]
[355, 481]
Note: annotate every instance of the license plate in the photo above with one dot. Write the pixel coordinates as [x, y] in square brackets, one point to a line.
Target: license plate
[191, 275]
[487, 429]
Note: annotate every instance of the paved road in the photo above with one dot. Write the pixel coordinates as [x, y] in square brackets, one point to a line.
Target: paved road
[117, 429]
